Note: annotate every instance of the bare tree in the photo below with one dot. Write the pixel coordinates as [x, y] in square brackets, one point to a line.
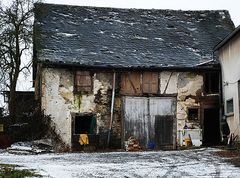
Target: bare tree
[16, 22]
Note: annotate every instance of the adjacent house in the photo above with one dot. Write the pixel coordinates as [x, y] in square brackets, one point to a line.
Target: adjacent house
[119, 73]
[229, 57]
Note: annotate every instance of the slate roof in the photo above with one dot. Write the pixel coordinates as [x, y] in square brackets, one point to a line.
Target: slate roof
[127, 38]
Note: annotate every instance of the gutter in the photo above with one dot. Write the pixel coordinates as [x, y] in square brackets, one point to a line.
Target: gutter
[112, 108]
[202, 63]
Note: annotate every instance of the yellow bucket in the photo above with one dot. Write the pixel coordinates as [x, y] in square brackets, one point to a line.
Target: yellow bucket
[188, 142]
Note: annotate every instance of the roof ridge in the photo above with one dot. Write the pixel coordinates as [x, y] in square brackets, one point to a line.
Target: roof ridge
[120, 8]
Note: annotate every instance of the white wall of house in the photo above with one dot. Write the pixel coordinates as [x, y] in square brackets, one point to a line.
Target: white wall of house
[229, 56]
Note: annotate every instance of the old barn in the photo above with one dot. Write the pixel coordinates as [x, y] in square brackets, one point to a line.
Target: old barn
[149, 74]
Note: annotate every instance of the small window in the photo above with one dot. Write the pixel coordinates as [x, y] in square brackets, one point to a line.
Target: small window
[84, 124]
[211, 83]
[193, 114]
[83, 82]
[229, 106]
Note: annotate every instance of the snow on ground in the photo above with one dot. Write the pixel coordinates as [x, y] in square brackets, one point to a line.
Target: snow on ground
[188, 163]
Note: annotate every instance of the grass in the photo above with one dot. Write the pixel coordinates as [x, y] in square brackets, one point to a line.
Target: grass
[11, 171]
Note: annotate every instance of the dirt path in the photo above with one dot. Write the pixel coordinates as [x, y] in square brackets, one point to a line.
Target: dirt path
[189, 163]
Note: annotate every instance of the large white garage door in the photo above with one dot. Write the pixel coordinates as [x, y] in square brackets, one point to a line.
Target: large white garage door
[150, 120]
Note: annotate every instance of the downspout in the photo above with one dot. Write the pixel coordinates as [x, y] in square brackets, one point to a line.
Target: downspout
[112, 108]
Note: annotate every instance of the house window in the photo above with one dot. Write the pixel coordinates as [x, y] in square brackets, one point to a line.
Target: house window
[150, 82]
[193, 114]
[138, 83]
[211, 83]
[84, 124]
[229, 106]
[83, 82]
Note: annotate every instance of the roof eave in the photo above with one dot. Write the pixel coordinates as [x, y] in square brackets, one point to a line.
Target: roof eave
[115, 68]
[228, 37]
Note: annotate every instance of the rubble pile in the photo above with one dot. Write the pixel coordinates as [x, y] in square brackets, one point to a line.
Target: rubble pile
[132, 144]
[34, 147]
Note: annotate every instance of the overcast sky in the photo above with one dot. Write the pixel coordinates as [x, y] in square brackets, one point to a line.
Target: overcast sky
[233, 6]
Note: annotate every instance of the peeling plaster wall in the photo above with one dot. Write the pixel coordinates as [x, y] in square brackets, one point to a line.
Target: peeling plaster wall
[168, 82]
[59, 101]
[187, 86]
[57, 98]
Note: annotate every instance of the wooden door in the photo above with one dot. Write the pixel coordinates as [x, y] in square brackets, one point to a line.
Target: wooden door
[141, 119]
[164, 132]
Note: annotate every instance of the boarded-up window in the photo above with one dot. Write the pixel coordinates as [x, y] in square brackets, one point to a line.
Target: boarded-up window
[150, 82]
[83, 82]
[131, 83]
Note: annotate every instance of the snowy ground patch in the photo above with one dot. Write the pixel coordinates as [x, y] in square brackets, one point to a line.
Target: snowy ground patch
[188, 163]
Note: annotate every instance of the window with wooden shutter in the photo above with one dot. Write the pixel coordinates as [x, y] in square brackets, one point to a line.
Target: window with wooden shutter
[150, 82]
[83, 82]
[131, 83]
[139, 83]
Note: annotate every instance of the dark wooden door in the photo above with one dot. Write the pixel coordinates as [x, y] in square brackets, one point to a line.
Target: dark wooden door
[164, 132]
[211, 129]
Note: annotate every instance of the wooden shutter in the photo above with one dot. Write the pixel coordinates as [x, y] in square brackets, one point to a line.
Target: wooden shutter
[150, 82]
[83, 81]
[131, 83]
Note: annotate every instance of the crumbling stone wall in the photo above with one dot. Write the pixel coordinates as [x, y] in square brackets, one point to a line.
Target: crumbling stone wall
[59, 99]
[187, 86]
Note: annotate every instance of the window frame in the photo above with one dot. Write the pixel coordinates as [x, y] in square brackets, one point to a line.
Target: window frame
[76, 116]
[198, 114]
[227, 110]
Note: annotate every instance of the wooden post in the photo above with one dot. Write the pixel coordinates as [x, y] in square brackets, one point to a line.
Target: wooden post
[112, 108]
